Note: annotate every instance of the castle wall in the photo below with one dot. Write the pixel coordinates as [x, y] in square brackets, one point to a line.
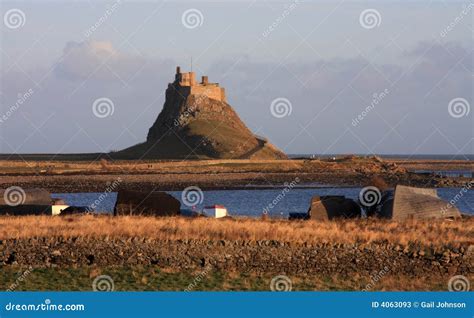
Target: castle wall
[186, 84]
[187, 79]
[210, 90]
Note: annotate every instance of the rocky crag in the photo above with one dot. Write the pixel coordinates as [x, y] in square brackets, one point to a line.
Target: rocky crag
[197, 123]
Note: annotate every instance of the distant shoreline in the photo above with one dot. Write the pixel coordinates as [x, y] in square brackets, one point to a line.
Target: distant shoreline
[98, 156]
[62, 176]
[469, 157]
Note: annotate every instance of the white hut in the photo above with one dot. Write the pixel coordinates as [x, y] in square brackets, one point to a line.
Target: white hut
[215, 211]
[56, 209]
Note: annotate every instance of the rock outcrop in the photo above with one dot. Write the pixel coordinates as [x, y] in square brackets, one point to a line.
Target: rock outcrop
[197, 123]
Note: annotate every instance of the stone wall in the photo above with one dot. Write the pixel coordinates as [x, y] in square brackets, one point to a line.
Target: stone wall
[241, 256]
[211, 90]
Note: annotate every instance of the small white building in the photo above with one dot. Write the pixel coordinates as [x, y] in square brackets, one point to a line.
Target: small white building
[215, 211]
[56, 209]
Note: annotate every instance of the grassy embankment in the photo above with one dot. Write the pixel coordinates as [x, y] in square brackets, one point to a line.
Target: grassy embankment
[147, 278]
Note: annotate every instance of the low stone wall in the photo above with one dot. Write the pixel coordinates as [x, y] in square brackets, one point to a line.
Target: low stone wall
[241, 256]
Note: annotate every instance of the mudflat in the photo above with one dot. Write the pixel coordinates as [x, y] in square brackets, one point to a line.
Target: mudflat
[87, 176]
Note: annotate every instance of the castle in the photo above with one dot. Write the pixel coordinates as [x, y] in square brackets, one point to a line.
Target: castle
[196, 122]
[186, 84]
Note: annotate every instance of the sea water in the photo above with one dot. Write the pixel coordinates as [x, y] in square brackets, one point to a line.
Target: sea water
[252, 202]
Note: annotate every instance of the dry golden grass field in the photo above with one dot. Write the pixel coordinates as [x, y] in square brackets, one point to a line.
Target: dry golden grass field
[173, 228]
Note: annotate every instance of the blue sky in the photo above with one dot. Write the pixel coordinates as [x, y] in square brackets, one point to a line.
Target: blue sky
[317, 55]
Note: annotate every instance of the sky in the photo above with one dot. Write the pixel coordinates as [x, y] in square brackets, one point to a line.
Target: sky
[315, 77]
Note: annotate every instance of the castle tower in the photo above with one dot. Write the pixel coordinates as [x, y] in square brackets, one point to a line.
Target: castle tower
[185, 79]
[187, 85]
[177, 76]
